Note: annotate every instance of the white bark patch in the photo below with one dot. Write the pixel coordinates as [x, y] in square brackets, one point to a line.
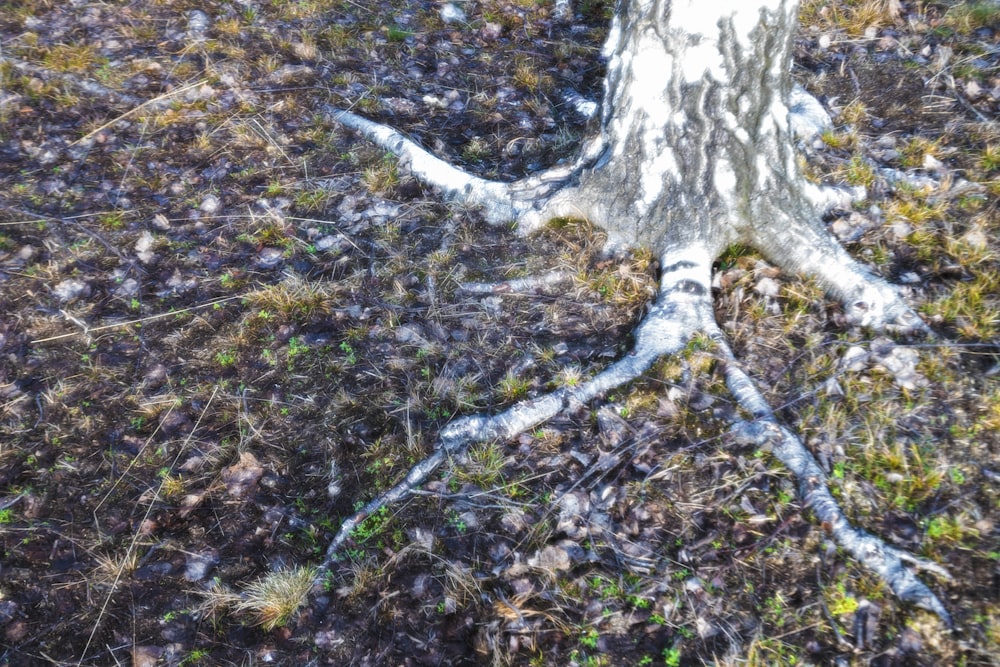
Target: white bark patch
[733, 125]
[779, 113]
[651, 63]
[724, 180]
[581, 105]
[764, 171]
[701, 60]
[614, 36]
[706, 18]
[806, 115]
[653, 176]
[647, 61]
[690, 263]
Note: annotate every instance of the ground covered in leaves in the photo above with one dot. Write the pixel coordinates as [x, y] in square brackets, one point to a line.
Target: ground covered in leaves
[225, 323]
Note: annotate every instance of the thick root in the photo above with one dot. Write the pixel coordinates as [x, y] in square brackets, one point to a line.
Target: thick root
[494, 198]
[530, 202]
[803, 247]
[682, 309]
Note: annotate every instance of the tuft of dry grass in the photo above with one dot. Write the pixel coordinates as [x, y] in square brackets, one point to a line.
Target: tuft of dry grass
[273, 600]
[382, 176]
[971, 15]
[855, 17]
[111, 569]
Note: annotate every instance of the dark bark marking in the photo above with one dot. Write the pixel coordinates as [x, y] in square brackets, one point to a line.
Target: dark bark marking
[688, 286]
[683, 264]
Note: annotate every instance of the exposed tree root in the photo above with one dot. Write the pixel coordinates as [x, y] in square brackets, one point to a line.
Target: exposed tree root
[766, 432]
[529, 202]
[456, 185]
[519, 285]
[682, 310]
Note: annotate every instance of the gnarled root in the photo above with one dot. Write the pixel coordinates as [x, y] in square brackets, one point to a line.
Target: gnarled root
[682, 309]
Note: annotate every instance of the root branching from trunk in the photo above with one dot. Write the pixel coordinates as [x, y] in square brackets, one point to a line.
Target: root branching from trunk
[682, 309]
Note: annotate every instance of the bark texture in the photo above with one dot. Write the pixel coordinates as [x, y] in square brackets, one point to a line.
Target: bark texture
[694, 153]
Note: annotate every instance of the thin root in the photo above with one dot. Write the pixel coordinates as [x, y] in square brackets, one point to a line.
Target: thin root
[519, 285]
[679, 312]
[765, 431]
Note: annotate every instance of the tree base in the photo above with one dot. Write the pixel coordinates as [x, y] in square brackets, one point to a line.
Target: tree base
[682, 310]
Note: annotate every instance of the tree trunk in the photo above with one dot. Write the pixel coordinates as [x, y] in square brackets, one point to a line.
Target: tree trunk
[695, 146]
[695, 131]
[694, 153]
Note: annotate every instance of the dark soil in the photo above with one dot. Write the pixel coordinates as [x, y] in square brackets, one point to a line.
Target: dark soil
[225, 323]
